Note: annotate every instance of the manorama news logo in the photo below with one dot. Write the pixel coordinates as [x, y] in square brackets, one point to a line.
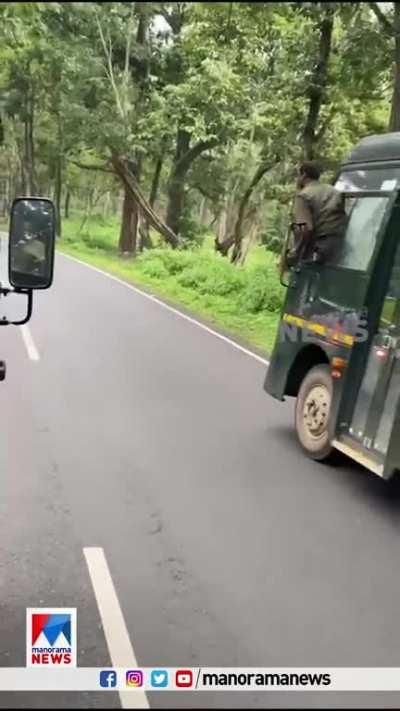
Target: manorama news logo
[51, 636]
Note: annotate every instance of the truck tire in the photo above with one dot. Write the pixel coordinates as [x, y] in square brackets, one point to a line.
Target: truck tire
[313, 406]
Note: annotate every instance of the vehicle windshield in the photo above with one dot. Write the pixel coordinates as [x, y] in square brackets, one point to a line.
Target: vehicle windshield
[387, 178]
[365, 218]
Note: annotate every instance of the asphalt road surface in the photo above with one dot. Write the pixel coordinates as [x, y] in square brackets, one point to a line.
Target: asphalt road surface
[129, 428]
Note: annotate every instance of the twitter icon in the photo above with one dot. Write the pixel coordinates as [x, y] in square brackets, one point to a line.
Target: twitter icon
[159, 678]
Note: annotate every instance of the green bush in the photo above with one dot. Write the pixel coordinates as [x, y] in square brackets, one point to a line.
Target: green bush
[244, 299]
[70, 239]
[275, 228]
[154, 267]
[193, 277]
[192, 232]
[262, 292]
[251, 289]
[98, 242]
[224, 282]
[211, 275]
[173, 260]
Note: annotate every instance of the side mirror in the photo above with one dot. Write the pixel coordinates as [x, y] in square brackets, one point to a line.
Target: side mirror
[31, 243]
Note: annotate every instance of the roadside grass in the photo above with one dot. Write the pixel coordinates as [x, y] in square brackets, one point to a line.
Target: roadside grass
[244, 301]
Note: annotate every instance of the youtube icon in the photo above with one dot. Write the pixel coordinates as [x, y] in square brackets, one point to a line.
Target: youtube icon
[184, 678]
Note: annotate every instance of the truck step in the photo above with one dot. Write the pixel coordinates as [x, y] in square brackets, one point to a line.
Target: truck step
[350, 449]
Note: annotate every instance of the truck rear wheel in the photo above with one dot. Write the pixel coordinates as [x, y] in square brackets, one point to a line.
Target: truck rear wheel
[313, 406]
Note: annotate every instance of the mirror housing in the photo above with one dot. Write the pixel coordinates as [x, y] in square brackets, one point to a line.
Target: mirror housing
[31, 243]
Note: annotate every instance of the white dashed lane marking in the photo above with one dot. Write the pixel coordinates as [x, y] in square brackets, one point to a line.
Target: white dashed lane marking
[119, 644]
[33, 352]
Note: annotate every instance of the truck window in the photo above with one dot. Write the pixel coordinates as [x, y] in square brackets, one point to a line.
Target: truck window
[387, 178]
[365, 218]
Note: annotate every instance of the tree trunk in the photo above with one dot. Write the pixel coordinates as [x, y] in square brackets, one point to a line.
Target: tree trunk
[130, 183]
[57, 194]
[248, 243]
[224, 246]
[234, 238]
[30, 175]
[129, 224]
[224, 237]
[142, 66]
[155, 183]
[67, 204]
[106, 204]
[23, 190]
[115, 203]
[31, 159]
[11, 185]
[144, 235]
[316, 90]
[176, 199]
[59, 153]
[203, 211]
[394, 124]
[238, 234]
[88, 209]
[144, 227]
[226, 232]
[184, 157]
[176, 183]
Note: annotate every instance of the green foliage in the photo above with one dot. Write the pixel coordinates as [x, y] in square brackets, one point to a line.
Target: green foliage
[191, 231]
[173, 261]
[252, 289]
[209, 274]
[245, 301]
[80, 81]
[255, 288]
[95, 233]
[276, 225]
[154, 267]
[262, 291]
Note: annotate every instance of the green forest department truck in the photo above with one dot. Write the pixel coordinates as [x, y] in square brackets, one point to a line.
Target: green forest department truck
[337, 349]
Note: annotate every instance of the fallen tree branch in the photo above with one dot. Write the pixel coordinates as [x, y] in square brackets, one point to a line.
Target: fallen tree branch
[126, 176]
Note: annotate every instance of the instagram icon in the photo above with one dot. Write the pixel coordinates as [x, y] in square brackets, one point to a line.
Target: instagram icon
[134, 678]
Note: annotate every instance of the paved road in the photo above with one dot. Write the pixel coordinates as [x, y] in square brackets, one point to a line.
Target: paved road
[141, 433]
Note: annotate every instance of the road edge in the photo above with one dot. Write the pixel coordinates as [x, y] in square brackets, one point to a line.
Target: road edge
[226, 336]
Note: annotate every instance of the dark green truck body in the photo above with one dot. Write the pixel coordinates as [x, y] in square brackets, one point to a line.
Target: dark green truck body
[348, 312]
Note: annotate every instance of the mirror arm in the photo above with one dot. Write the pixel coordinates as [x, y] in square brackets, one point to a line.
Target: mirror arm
[29, 294]
[4, 291]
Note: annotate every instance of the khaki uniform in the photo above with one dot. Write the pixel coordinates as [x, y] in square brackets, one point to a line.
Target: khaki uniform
[321, 207]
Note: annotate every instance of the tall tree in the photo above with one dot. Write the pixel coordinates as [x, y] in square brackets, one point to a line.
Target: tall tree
[390, 25]
[202, 97]
[128, 240]
[319, 78]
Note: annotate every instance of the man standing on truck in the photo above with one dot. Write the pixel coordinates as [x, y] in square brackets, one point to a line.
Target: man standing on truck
[319, 216]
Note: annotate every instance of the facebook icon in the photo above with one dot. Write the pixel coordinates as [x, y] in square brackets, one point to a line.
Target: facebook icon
[108, 679]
